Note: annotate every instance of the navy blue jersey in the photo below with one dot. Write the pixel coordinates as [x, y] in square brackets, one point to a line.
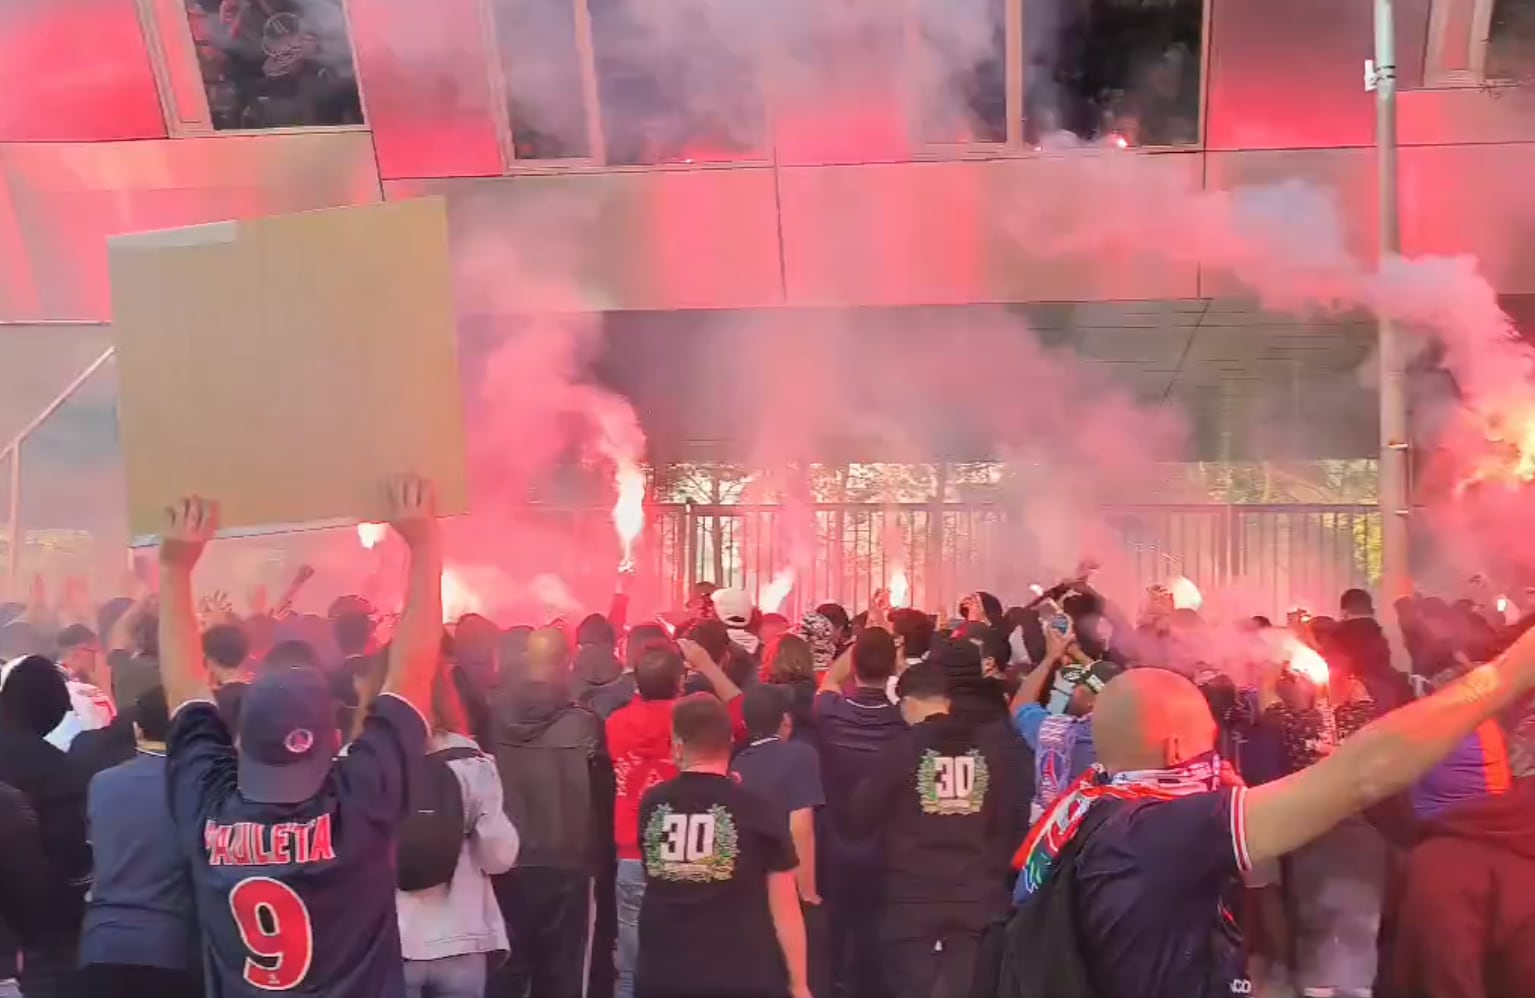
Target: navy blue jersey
[1151, 885]
[296, 898]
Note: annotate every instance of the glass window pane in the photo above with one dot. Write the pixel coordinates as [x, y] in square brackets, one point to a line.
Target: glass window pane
[964, 59]
[673, 82]
[275, 63]
[1124, 68]
[541, 64]
[1511, 40]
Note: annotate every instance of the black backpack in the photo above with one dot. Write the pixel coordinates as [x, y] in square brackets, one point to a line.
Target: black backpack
[1037, 952]
[432, 835]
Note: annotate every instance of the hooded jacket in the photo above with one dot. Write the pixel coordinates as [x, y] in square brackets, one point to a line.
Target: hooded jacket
[32, 701]
[555, 774]
[462, 916]
[1466, 914]
[1360, 647]
[599, 682]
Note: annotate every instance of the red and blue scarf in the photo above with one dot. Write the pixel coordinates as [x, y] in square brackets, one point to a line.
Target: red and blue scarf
[1055, 828]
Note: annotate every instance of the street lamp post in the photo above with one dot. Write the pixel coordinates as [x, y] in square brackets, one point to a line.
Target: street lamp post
[1395, 496]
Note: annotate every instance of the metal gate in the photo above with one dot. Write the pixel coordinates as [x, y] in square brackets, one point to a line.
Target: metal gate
[1271, 556]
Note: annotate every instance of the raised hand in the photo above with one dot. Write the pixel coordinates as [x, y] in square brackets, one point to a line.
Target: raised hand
[413, 509]
[879, 608]
[190, 524]
[693, 654]
[1057, 642]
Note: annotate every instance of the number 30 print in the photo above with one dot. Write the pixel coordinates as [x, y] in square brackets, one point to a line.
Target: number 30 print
[274, 924]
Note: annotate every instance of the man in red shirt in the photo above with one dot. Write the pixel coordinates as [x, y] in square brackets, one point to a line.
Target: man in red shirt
[640, 742]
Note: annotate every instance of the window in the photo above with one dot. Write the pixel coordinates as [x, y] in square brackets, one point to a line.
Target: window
[677, 81]
[1511, 40]
[690, 80]
[542, 46]
[963, 95]
[1480, 42]
[1130, 69]
[274, 63]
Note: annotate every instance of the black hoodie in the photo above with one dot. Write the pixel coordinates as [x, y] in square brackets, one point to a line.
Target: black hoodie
[32, 702]
[556, 775]
[944, 798]
[1359, 646]
[599, 681]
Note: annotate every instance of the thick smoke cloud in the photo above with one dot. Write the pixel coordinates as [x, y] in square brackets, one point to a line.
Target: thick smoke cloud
[860, 79]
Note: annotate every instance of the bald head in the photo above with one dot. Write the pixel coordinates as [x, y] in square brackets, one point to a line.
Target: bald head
[548, 654]
[1151, 719]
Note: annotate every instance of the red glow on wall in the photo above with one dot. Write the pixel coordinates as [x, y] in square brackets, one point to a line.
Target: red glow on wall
[1292, 75]
[844, 129]
[75, 70]
[425, 87]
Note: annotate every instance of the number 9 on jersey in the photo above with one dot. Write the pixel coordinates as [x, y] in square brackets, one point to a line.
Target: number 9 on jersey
[275, 926]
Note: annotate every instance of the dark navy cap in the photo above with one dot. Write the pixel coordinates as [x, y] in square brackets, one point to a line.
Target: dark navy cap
[288, 736]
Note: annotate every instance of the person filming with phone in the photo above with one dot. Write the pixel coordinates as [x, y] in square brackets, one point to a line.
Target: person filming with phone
[1059, 728]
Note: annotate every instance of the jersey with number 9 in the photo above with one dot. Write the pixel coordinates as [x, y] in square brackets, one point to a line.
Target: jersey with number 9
[296, 898]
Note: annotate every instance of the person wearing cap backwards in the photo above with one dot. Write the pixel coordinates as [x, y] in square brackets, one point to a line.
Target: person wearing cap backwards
[292, 850]
[741, 619]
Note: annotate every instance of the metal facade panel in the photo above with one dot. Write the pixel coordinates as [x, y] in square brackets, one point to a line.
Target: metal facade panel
[1478, 115]
[75, 71]
[426, 87]
[67, 198]
[18, 289]
[1347, 174]
[625, 240]
[1476, 199]
[951, 233]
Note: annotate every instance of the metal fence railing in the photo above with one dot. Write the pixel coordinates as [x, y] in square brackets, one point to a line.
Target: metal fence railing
[1274, 556]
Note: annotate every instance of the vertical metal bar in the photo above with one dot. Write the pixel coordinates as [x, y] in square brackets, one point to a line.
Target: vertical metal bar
[591, 93]
[691, 552]
[839, 552]
[1205, 49]
[937, 585]
[13, 527]
[500, 87]
[1394, 488]
[1013, 53]
[759, 518]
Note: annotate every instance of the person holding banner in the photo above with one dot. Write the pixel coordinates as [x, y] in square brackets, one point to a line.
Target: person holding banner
[292, 849]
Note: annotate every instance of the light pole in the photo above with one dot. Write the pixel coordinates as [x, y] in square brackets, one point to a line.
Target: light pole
[1395, 487]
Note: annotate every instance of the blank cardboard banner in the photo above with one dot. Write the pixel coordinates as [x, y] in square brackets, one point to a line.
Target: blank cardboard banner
[286, 366]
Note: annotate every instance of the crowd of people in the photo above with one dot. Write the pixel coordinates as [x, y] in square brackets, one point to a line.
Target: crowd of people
[1050, 800]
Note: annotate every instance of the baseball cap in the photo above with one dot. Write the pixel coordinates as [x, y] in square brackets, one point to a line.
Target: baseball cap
[957, 659]
[287, 736]
[733, 607]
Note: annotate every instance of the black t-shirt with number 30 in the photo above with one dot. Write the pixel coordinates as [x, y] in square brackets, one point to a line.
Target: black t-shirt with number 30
[706, 930]
[296, 899]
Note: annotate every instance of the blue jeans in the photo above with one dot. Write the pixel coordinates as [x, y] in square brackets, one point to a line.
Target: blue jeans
[630, 892]
[460, 976]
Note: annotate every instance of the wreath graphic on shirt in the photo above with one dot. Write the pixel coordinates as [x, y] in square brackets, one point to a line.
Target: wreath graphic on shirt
[691, 848]
[952, 784]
